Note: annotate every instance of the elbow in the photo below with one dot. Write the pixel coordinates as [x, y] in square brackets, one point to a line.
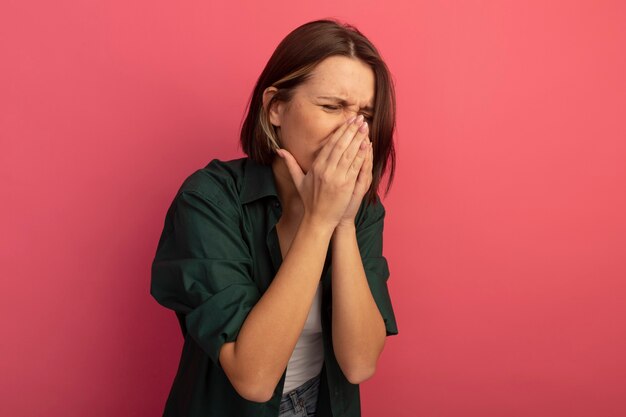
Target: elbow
[357, 375]
[249, 385]
[252, 389]
[254, 392]
[358, 370]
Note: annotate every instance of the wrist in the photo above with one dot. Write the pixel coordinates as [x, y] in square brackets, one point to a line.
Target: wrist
[317, 226]
[347, 227]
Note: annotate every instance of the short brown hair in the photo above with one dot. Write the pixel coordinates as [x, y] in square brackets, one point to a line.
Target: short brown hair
[291, 64]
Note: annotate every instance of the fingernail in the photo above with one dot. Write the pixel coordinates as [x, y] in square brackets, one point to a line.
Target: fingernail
[359, 119]
[363, 128]
[350, 120]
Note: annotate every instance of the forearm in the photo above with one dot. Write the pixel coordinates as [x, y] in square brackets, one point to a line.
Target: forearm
[269, 334]
[358, 328]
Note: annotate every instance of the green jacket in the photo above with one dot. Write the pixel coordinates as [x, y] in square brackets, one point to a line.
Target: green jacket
[217, 255]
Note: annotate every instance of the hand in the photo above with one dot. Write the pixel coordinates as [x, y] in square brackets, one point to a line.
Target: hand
[327, 188]
[361, 187]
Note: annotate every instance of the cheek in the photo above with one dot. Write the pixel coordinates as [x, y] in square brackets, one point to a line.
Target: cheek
[312, 130]
[326, 124]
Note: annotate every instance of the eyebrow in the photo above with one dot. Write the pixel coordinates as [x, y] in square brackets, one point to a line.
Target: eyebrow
[344, 102]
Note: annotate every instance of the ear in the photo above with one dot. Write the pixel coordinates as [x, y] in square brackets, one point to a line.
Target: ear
[276, 109]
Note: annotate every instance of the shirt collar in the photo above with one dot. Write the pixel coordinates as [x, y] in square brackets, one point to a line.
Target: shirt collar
[258, 181]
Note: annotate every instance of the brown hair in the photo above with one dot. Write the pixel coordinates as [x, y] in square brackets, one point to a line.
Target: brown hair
[291, 64]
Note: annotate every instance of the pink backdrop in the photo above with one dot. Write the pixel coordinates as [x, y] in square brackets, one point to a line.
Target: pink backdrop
[505, 233]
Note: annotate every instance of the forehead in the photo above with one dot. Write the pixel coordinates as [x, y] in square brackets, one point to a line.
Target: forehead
[348, 78]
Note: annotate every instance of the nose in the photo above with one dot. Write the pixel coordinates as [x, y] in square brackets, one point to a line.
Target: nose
[350, 113]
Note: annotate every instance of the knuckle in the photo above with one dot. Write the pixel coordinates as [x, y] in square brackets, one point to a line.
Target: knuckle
[318, 171]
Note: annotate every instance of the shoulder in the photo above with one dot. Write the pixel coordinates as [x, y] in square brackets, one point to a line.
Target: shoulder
[218, 182]
[370, 213]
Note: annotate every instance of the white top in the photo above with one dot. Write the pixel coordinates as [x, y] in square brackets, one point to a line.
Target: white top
[308, 356]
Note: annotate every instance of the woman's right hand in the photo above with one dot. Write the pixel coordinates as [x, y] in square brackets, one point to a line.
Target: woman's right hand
[326, 189]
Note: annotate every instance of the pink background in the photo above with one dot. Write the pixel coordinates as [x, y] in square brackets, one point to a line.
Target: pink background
[505, 233]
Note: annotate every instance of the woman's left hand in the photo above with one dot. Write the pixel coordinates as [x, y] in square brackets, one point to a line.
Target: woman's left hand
[361, 186]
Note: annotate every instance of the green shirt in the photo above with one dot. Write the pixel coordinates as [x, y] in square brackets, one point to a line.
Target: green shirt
[217, 255]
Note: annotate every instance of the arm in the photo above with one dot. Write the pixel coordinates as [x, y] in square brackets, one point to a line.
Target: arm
[358, 327]
[277, 320]
[322, 190]
[202, 270]
[256, 361]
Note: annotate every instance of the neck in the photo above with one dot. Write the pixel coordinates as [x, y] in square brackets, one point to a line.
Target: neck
[287, 191]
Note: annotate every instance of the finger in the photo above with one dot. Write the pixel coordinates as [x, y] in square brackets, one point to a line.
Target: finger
[293, 167]
[343, 142]
[351, 151]
[370, 161]
[365, 175]
[361, 181]
[332, 139]
[367, 163]
[357, 163]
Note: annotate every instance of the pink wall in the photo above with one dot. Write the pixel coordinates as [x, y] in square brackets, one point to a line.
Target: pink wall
[505, 233]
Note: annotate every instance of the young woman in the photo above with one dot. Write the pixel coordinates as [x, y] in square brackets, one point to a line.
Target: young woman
[273, 263]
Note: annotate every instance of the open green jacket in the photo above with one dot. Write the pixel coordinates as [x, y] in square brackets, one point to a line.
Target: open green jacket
[217, 255]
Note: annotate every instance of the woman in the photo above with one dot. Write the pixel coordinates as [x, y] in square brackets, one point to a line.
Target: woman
[273, 263]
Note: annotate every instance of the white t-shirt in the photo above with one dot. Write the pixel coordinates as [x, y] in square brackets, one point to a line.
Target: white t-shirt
[308, 356]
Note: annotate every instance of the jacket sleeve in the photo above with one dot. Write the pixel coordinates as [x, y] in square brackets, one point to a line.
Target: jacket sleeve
[370, 240]
[203, 271]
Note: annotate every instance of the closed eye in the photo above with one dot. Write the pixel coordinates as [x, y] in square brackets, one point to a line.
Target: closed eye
[368, 118]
